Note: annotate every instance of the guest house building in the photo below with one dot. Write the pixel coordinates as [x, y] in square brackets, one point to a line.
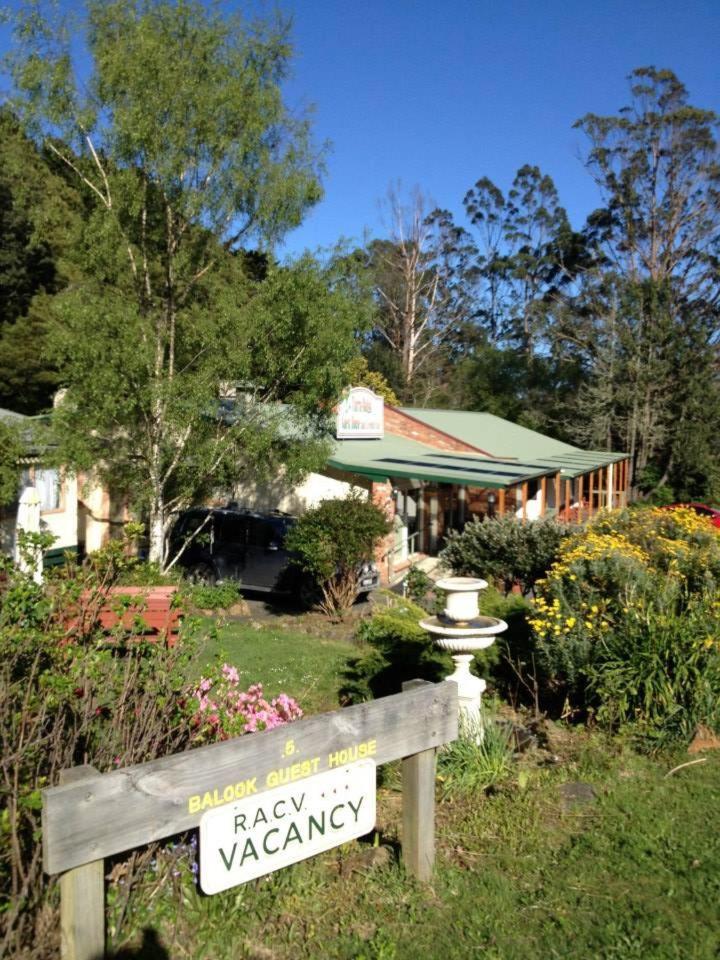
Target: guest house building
[432, 471]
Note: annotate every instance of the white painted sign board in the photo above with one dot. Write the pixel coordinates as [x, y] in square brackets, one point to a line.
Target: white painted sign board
[244, 840]
[360, 415]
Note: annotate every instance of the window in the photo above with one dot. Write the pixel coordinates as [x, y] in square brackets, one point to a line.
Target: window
[47, 484]
[231, 529]
[260, 533]
[26, 480]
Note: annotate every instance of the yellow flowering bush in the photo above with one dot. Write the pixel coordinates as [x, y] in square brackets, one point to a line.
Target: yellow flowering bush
[676, 541]
[626, 619]
[662, 671]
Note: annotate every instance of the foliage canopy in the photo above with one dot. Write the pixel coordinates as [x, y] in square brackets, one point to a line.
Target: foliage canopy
[505, 549]
[332, 541]
[177, 346]
[12, 449]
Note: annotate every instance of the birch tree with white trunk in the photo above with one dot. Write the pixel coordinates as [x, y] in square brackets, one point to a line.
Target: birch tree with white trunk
[187, 156]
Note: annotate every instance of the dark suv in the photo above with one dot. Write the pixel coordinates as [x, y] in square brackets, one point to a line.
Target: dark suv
[247, 548]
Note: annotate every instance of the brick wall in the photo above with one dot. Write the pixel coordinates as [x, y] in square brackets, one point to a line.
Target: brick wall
[404, 425]
[381, 495]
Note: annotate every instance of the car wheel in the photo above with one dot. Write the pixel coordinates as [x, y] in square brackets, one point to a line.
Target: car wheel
[202, 574]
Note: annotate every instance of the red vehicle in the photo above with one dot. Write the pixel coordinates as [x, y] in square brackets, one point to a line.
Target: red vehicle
[702, 509]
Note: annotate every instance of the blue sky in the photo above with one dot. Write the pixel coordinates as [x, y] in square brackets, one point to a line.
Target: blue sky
[437, 93]
[441, 93]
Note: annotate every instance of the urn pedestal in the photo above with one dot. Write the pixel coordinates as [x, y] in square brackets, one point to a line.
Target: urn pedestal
[462, 629]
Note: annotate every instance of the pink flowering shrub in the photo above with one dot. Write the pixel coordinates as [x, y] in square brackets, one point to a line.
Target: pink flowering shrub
[222, 710]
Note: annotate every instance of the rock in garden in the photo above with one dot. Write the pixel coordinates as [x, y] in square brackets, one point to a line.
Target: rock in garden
[576, 794]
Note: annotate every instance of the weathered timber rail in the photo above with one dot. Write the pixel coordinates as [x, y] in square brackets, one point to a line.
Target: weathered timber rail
[90, 816]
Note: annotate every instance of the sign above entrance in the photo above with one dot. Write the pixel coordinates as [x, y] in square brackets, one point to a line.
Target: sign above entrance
[360, 415]
[260, 834]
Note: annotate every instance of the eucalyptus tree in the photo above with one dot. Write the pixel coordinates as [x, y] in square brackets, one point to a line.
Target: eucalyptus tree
[653, 295]
[419, 276]
[485, 208]
[658, 170]
[177, 133]
[518, 258]
[526, 253]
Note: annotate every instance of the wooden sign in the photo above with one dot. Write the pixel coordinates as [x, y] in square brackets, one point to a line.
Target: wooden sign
[129, 807]
[90, 816]
[360, 415]
[245, 840]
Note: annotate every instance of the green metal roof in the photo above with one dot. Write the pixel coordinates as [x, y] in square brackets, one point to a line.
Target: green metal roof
[395, 456]
[11, 417]
[28, 431]
[509, 441]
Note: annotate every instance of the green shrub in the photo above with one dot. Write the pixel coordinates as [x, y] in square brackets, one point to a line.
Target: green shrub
[508, 607]
[662, 672]
[504, 549]
[628, 619]
[70, 694]
[394, 649]
[332, 541]
[577, 606]
[140, 573]
[420, 588]
[220, 597]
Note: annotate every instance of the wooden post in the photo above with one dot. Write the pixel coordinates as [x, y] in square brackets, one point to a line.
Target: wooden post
[557, 494]
[82, 898]
[418, 799]
[580, 482]
[568, 499]
[626, 473]
[543, 496]
[434, 508]
[628, 481]
[462, 506]
[524, 500]
[501, 501]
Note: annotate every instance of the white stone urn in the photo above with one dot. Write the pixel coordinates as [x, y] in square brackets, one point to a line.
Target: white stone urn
[461, 629]
[461, 597]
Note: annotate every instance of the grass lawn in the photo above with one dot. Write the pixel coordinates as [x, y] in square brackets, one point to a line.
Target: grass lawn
[633, 874]
[632, 871]
[307, 668]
